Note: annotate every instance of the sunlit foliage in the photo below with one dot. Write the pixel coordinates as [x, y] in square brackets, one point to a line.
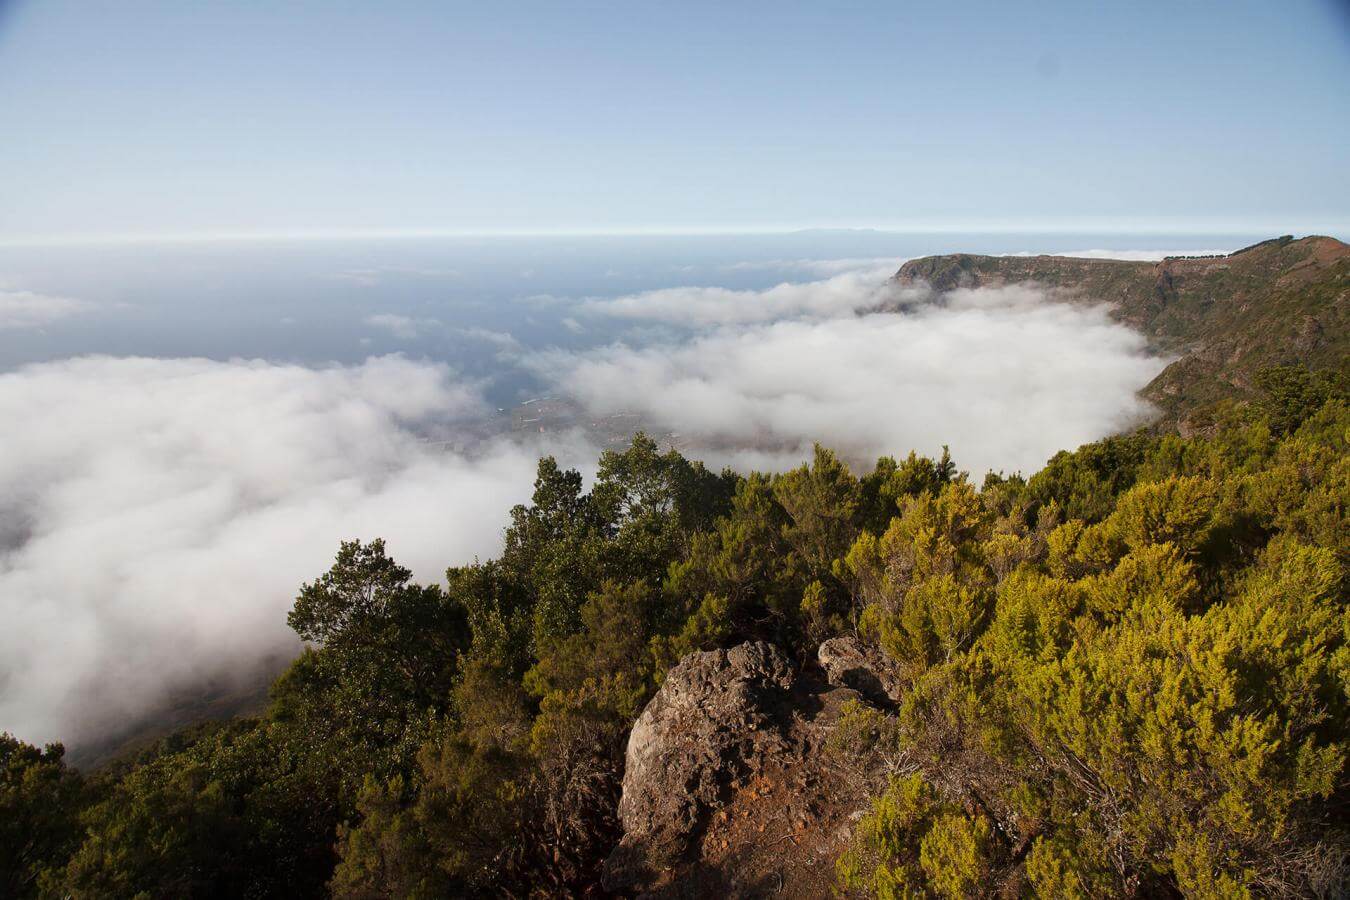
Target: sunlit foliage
[1128, 674]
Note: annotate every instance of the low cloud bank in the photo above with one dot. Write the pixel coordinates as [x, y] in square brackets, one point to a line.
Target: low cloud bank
[403, 327]
[26, 309]
[159, 515]
[1005, 376]
[845, 293]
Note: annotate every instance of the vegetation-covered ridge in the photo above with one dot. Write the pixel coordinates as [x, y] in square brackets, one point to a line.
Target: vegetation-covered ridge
[1279, 302]
[1126, 675]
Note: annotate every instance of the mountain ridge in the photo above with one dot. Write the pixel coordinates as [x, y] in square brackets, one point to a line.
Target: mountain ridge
[1282, 301]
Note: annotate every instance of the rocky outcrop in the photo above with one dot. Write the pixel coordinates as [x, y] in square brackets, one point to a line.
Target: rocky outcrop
[712, 722]
[847, 663]
[727, 788]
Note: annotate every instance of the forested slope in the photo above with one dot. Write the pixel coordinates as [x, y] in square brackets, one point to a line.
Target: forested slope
[1125, 675]
[1279, 302]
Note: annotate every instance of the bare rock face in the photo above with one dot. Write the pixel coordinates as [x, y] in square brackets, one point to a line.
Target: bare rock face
[710, 723]
[727, 790]
[847, 663]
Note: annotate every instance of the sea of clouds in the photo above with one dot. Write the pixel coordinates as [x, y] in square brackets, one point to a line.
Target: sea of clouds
[1003, 376]
[158, 514]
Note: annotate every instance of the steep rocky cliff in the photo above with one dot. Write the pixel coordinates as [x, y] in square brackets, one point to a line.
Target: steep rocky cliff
[1280, 302]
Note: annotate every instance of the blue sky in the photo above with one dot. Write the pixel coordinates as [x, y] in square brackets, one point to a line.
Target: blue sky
[173, 117]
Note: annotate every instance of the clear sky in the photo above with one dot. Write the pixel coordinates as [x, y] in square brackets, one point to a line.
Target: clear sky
[181, 117]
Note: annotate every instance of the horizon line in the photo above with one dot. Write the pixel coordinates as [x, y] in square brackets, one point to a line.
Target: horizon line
[1082, 227]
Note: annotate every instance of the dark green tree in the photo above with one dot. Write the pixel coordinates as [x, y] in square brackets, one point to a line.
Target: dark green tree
[40, 805]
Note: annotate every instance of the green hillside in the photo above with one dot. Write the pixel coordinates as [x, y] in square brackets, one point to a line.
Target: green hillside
[1278, 303]
[1128, 675]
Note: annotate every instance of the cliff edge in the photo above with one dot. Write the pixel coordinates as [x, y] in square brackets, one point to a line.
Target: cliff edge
[1279, 302]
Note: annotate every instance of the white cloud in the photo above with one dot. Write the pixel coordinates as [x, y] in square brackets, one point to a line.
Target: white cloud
[375, 275]
[158, 516]
[403, 327]
[26, 309]
[1004, 376]
[504, 341]
[704, 306]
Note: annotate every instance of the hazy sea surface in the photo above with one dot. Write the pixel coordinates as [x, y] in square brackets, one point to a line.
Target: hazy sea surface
[442, 299]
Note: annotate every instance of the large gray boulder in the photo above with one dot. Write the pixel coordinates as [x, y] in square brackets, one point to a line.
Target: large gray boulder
[710, 724]
[727, 789]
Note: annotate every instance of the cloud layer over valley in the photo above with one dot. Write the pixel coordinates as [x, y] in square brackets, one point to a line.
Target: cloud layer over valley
[1006, 377]
[159, 515]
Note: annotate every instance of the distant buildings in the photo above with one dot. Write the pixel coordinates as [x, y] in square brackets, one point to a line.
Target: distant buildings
[544, 415]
